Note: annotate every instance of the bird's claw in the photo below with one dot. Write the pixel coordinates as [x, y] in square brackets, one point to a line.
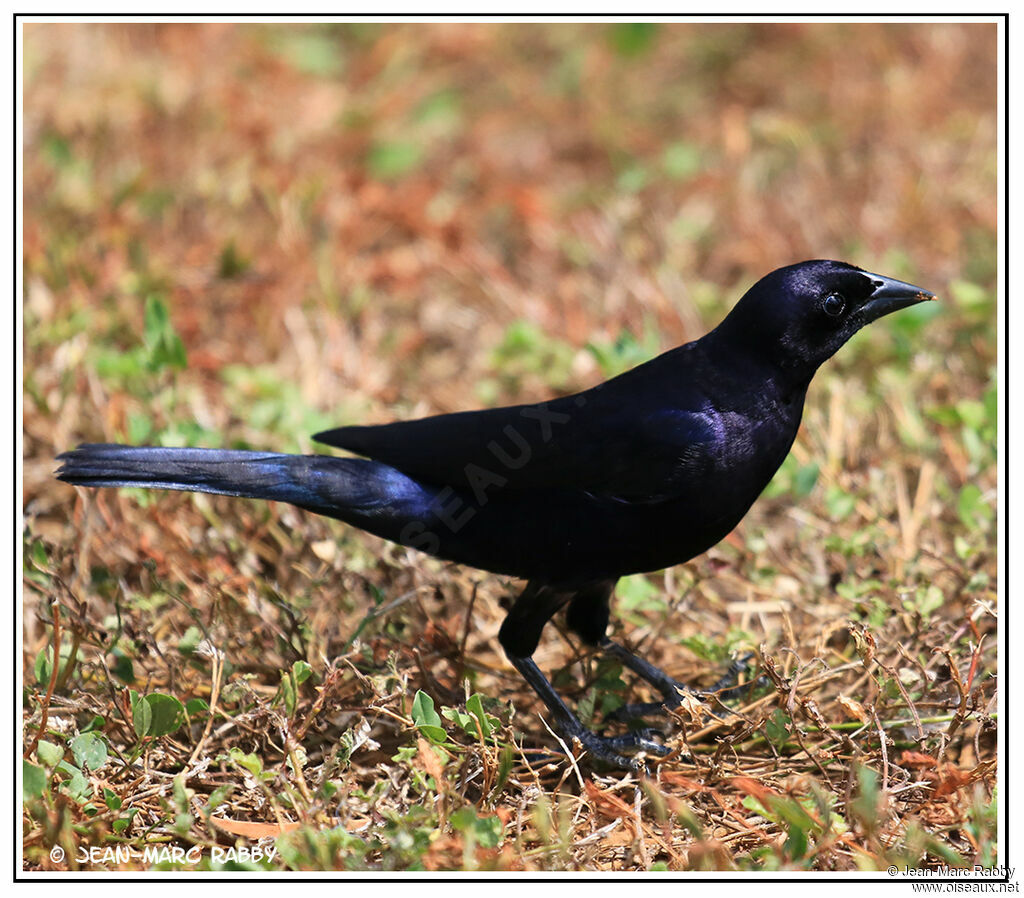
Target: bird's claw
[675, 694]
[636, 741]
[625, 750]
[729, 687]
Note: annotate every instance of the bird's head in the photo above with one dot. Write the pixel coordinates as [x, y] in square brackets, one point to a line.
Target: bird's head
[798, 316]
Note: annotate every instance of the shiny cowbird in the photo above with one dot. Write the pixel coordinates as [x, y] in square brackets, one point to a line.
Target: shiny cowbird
[641, 472]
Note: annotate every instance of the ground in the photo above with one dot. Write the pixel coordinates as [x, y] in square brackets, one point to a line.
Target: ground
[237, 235]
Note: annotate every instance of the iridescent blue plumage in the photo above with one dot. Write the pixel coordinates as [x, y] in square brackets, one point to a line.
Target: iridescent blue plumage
[641, 472]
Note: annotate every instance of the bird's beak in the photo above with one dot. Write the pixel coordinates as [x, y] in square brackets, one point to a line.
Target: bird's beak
[891, 295]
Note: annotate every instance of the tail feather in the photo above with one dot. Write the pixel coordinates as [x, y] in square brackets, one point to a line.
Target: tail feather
[224, 471]
[360, 491]
[341, 487]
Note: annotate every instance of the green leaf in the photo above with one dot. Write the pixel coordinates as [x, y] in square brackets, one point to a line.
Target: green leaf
[249, 762]
[111, 799]
[168, 713]
[925, 600]
[122, 667]
[485, 831]
[462, 819]
[140, 426]
[156, 714]
[142, 715]
[219, 795]
[388, 161]
[171, 355]
[972, 412]
[633, 178]
[526, 349]
[840, 504]
[120, 826]
[991, 402]
[777, 726]
[585, 706]
[792, 812]
[865, 807]
[33, 780]
[156, 319]
[164, 346]
[626, 351]
[633, 38]
[689, 820]
[57, 151]
[189, 642]
[974, 511]
[706, 647]
[312, 51]
[290, 682]
[506, 761]
[488, 724]
[51, 755]
[969, 297]
[38, 554]
[440, 110]
[301, 671]
[231, 263]
[426, 719]
[637, 593]
[43, 667]
[461, 719]
[288, 692]
[805, 478]
[77, 786]
[681, 160]
[196, 706]
[89, 750]
[796, 842]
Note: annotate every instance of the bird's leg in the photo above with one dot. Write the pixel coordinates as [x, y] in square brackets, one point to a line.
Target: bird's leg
[604, 748]
[587, 616]
[519, 635]
[729, 686]
[521, 629]
[672, 691]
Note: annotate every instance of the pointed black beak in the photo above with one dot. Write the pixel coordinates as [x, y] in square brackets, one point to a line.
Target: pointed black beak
[891, 295]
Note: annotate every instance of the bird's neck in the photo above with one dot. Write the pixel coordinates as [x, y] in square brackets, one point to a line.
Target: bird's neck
[758, 361]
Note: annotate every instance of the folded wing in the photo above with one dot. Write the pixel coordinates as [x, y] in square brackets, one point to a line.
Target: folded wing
[589, 442]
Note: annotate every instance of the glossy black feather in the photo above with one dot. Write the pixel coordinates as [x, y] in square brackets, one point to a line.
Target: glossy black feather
[641, 472]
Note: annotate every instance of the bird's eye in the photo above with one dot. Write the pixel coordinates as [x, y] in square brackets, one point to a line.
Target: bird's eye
[834, 304]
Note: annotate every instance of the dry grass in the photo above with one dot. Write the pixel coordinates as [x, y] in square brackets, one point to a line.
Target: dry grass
[370, 222]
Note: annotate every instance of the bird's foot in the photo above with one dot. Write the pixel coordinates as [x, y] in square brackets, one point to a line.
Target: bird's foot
[626, 750]
[730, 687]
[678, 696]
[681, 702]
[614, 751]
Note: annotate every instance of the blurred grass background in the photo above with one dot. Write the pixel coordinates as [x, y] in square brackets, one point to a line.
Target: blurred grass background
[238, 234]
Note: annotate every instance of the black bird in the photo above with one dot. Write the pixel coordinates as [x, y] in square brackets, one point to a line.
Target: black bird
[636, 474]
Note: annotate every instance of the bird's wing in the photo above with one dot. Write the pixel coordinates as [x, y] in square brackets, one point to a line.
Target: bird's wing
[592, 442]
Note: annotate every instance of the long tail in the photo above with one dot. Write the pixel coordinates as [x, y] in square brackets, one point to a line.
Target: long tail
[374, 496]
[345, 488]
